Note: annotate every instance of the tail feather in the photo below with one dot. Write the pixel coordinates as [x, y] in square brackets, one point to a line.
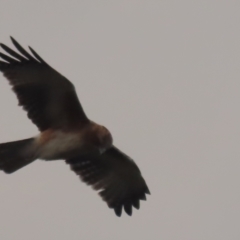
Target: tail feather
[15, 155]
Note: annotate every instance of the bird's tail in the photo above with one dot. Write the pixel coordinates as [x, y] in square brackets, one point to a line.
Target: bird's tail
[17, 154]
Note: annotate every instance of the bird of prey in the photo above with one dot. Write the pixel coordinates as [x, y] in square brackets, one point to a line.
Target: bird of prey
[66, 133]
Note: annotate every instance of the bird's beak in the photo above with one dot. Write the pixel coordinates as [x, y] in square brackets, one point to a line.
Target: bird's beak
[102, 150]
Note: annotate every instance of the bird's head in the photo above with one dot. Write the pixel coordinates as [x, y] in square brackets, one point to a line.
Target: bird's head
[100, 137]
[104, 139]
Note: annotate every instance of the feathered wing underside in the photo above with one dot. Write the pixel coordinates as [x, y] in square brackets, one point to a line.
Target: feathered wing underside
[48, 97]
[117, 177]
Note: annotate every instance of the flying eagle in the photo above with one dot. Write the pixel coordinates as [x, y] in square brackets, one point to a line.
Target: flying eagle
[66, 132]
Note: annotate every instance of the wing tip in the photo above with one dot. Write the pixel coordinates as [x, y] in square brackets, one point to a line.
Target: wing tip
[36, 55]
[2, 45]
[128, 205]
[128, 208]
[147, 191]
[118, 211]
[12, 39]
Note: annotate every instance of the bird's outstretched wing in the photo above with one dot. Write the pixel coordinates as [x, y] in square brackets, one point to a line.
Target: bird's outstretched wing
[117, 177]
[48, 97]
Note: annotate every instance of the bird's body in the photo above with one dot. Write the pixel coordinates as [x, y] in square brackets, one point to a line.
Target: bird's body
[58, 144]
[53, 145]
[66, 132]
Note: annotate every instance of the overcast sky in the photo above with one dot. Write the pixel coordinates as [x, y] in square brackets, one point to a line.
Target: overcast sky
[164, 77]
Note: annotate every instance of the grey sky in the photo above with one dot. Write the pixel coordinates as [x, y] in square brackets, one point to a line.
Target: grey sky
[164, 77]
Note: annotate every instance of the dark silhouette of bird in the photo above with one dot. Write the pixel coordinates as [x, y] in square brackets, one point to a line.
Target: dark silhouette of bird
[66, 133]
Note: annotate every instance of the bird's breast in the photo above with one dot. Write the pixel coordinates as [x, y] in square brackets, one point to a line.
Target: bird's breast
[59, 145]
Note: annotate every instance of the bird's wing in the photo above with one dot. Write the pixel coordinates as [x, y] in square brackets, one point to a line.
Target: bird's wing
[48, 97]
[117, 177]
